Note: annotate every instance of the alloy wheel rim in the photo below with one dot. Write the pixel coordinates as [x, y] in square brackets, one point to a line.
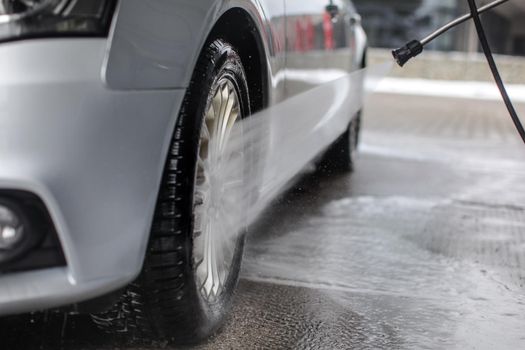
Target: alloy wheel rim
[215, 236]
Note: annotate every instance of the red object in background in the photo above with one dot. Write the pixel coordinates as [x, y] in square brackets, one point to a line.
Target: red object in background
[328, 29]
[299, 36]
[310, 34]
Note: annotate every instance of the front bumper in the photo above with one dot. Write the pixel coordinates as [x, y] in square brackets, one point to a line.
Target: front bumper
[93, 155]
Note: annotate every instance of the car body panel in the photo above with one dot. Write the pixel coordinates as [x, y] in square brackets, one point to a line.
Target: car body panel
[50, 288]
[93, 155]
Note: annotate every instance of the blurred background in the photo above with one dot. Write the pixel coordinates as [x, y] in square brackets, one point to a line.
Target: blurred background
[393, 23]
[455, 55]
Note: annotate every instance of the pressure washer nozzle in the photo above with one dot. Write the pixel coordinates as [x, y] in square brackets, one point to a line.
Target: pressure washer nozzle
[405, 53]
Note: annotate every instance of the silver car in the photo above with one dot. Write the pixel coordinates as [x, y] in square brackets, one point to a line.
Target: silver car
[106, 108]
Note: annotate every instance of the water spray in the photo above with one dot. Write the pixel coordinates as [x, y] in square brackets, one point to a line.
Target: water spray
[416, 47]
[275, 144]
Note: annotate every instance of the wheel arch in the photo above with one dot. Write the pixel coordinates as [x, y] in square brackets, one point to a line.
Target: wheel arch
[250, 49]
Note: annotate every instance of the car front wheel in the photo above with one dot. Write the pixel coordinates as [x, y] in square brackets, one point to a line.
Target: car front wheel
[192, 266]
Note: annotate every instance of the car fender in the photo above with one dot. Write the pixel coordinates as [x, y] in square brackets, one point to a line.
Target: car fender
[154, 44]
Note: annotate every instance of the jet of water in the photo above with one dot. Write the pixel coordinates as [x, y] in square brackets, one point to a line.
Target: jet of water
[271, 147]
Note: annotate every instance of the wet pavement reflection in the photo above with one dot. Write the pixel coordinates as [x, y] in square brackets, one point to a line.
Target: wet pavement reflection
[422, 247]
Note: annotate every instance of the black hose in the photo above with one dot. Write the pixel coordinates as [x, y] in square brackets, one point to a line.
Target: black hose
[492, 64]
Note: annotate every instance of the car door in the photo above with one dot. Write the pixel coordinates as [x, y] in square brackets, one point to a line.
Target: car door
[319, 42]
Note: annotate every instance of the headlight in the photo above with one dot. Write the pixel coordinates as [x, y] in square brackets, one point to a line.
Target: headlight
[36, 18]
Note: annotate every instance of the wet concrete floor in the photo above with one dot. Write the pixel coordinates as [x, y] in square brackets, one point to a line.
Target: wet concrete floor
[422, 247]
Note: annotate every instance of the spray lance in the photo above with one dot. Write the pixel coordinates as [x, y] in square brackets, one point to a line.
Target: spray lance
[415, 47]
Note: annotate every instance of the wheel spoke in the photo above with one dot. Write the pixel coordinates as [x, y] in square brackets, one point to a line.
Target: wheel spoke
[205, 133]
[227, 114]
[228, 126]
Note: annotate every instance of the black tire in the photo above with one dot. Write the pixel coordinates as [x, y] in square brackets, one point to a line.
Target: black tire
[341, 155]
[164, 303]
